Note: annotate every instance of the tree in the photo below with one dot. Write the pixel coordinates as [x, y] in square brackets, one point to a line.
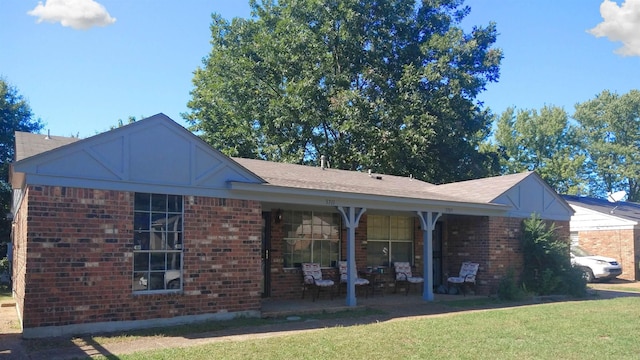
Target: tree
[15, 115]
[544, 142]
[610, 128]
[388, 86]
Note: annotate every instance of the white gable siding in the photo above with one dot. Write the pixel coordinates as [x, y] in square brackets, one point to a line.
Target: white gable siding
[152, 155]
[532, 195]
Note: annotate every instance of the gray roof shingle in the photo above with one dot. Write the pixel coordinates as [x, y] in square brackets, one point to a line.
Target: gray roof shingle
[624, 209]
[29, 144]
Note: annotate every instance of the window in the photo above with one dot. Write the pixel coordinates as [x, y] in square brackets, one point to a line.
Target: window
[311, 237]
[389, 239]
[157, 242]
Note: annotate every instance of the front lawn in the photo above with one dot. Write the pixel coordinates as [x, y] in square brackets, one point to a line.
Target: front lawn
[588, 329]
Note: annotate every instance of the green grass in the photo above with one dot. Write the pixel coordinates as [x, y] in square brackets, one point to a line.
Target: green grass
[590, 329]
[185, 330]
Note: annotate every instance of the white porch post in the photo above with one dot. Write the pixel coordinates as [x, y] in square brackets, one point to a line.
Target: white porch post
[351, 219]
[428, 222]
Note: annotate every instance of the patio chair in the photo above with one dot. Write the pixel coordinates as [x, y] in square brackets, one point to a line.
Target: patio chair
[312, 280]
[466, 278]
[404, 275]
[342, 266]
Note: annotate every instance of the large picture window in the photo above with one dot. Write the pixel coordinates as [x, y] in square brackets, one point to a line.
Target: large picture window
[157, 242]
[389, 239]
[311, 236]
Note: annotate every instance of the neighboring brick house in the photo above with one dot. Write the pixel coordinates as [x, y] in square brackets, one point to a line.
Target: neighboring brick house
[147, 225]
[609, 229]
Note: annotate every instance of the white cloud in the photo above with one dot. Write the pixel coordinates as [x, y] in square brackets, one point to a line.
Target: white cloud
[78, 14]
[621, 24]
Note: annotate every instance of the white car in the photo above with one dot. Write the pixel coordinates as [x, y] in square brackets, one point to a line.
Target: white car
[595, 267]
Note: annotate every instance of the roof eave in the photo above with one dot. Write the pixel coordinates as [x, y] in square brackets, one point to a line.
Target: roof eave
[315, 197]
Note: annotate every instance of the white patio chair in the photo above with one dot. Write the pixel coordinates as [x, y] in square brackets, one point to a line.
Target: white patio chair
[466, 278]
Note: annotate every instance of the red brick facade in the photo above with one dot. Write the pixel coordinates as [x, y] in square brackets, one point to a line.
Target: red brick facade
[79, 265]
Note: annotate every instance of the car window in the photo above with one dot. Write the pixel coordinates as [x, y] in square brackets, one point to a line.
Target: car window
[577, 251]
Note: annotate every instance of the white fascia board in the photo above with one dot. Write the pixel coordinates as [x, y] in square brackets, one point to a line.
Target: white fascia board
[312, 197]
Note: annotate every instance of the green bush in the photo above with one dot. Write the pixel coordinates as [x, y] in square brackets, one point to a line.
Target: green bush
[573, 283]
[4, 264]
[547, 265]
[508, 288]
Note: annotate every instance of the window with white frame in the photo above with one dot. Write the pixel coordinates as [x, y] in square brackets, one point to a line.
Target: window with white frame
[157, 242]
[311, 236]
[389, 239]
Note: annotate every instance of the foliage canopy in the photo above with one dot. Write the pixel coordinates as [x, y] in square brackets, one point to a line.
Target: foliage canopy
[609, 126]
[15, 115]
[388, 86]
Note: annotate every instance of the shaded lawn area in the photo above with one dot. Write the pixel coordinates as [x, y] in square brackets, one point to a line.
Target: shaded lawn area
[590, 329]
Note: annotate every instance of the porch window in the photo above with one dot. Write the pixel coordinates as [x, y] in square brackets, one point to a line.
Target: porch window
[311, 236]
[157, 242]
[389, 239]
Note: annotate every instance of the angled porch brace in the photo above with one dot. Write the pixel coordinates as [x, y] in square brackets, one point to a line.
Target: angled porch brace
[428, 221]
[351, 216]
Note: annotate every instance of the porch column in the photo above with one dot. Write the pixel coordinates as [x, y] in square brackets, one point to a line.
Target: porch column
[428, 221]
[351, 216]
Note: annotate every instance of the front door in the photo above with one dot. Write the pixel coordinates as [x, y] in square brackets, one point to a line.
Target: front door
[437, 255]
[266, 254]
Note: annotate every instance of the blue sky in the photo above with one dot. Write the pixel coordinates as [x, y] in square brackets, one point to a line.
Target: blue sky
[136, 58]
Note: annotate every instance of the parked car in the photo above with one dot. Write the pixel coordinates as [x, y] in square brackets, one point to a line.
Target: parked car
[594, 267]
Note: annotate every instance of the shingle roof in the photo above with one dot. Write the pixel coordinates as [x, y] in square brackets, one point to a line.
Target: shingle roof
[310, 177]
[314, 177]
[29, 144]
[482, 190]
[623, 209]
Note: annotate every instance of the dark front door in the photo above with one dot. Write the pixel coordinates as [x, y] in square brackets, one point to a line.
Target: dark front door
[266, 254]
[437, 255]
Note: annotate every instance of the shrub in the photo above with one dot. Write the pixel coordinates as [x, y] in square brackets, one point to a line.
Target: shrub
[508, 288]
[4, 265]
[547, 265]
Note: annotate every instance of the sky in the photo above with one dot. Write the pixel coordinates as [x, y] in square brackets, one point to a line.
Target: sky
[84, 64]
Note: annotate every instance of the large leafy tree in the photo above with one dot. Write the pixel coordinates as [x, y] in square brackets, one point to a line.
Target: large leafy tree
[610, 128]
[543, 141]
[15, 115]
[382, 85]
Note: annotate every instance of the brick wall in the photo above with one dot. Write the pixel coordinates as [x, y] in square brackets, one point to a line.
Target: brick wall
[618, 244]
[493, 242]
[19, 265]
[79, 262]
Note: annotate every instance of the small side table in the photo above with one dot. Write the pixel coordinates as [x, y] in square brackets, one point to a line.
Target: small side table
[377, 281]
